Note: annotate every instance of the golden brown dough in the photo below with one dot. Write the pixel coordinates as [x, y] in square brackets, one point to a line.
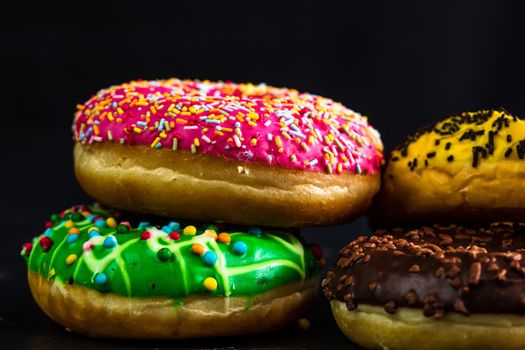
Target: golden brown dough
[89, 312]
[203, 187]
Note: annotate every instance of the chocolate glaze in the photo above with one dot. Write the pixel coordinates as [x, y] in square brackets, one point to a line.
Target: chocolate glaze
[437, 269]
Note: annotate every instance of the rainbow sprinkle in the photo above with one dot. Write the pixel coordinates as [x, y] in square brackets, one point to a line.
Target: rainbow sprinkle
[245, 122]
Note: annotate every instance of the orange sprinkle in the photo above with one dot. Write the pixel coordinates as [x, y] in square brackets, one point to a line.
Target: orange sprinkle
[197, 248]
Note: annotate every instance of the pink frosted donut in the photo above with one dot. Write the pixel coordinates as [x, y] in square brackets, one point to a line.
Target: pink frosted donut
[240, 153]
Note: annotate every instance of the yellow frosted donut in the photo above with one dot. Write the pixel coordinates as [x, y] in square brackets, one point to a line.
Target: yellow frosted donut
[467, 167]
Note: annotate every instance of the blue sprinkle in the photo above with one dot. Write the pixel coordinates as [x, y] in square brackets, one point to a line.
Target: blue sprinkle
[110, 241]
[101, 278]
[237, 125]
[240, 247]
[210, 258]
[93, 233]
[255, 230]
[143, 225]
[167, 229]
[72, 238]
[100, 223]
[48, 232]
[175, 226]
[91, 217]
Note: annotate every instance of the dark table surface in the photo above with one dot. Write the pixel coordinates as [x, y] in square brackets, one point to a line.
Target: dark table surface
[40, 181]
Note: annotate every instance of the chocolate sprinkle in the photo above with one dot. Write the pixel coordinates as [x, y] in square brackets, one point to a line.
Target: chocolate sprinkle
[437, 269]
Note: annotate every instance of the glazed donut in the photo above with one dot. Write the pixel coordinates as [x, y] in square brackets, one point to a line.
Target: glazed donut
[440, 287]
[464, 169]
[98, 275]
[237, 153]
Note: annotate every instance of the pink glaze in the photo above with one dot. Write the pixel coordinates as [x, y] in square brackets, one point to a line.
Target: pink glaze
[245, 122]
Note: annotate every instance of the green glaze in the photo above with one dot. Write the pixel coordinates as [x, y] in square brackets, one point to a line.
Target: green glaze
[134, 268]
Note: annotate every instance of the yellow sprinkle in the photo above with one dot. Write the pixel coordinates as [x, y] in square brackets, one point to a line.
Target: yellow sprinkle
[175, 144]
[252, 124]
[80, 107]
[293, 158]
[71, 259]
[155, 142]
[96, 129]
[69, 224]
[193, 149]
[111, 222]
[137, 130]
[163, 135]
[227, 129]
[185, 113]
[92, 228]
[110, 117]
[110, 135]
[120, 111]
[153, 110]
[189, 231]
[210, 283]
[278, 141]
[196, 142]
[181, 121]
[171, 107]
[304, 146]
[51, 272]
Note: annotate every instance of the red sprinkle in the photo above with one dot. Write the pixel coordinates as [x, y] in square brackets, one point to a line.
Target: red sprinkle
[145, 235]
[316, 251]
[27, 247]
[46, 243]
[174, 235]
[48, 224]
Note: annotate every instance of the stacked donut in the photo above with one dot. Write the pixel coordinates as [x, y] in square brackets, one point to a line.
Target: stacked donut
[179, 165]
[452, 277]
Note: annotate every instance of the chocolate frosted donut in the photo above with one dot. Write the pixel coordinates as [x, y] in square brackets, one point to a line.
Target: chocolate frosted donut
[432, 288]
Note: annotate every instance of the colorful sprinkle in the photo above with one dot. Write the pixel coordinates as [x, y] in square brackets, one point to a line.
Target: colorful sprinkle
[175, 226]
[197, 248]
[226, 119]
[224, 237]
[46, 243]
[239, 247]
[69, 224]
[164, 254]
[72, 238]
[110, 242]
[101, 278]
[145, 235]
[175, 236]
[70, 260]
[210, 258]
[111, 222]
[210, 283]
[189, 230]
[143, 225]
[100, 223]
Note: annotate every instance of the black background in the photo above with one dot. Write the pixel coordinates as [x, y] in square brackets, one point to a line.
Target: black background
[402, 64]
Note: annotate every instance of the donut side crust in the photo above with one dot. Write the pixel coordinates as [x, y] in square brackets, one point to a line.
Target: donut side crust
[488, 193]
[373, 328]
[204, 187]
[91, 313]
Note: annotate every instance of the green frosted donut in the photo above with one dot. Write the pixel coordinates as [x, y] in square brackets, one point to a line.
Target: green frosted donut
[93, 247]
